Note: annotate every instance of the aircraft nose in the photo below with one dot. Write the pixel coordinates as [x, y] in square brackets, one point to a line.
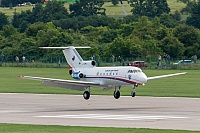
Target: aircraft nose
[144, 78]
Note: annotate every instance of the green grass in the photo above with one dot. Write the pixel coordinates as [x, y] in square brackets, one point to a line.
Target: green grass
[18, 128]
[111, 10]
[9, 12]
[179, 86]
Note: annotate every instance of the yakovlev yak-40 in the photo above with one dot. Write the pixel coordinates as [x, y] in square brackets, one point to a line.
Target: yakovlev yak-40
[87, 75]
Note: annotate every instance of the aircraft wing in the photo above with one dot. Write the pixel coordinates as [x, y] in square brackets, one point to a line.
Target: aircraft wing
[164, 76]
[70, 84]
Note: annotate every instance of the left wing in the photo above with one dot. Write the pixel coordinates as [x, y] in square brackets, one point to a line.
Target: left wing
[164, 76]
[71, 84]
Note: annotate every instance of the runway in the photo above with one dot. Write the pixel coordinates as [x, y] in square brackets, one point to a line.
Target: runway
[101, 111]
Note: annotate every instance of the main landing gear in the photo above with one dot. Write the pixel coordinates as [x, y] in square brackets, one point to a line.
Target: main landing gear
[86, 94]
[116, 93]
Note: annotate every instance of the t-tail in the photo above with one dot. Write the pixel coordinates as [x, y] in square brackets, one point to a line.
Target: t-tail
[73, 58]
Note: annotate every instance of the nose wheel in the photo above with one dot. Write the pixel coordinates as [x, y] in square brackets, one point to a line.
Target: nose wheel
[134, 91]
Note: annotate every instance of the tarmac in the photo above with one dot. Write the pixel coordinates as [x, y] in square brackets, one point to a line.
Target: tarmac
[101, 111]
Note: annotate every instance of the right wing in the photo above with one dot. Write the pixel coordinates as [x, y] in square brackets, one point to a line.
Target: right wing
[164, 76]
[70, 84]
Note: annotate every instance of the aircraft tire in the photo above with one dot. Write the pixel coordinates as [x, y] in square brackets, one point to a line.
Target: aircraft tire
[116, 94]
[133, 94]
[86, 95]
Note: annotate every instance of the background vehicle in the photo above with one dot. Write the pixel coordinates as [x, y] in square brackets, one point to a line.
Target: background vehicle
[138, 64]
[183, 62]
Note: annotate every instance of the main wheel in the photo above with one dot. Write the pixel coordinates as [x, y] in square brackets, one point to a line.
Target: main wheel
[116, 94]
[86, 95]
[133, 93]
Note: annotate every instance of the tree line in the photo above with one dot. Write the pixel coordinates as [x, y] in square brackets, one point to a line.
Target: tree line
[133, 36]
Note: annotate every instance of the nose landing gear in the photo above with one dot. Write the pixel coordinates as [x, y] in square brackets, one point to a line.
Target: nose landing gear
[134, 91]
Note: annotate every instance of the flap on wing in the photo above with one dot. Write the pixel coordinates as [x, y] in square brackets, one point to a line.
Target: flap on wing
[71, 84]
[164, 76]
[63, 85]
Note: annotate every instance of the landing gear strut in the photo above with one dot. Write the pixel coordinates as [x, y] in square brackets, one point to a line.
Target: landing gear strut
[133, 92]
[116, 93]
[86, 94]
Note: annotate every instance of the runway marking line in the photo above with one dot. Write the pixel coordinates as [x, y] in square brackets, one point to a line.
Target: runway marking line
[113, 117]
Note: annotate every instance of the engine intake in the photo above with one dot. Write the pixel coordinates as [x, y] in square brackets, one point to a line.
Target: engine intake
[78, 75]
[93, 63]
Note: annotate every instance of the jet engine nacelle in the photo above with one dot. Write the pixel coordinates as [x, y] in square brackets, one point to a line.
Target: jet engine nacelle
[78, 75]
[88, 64]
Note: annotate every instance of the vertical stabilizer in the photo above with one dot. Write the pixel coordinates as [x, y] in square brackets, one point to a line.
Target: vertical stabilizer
[73, 58]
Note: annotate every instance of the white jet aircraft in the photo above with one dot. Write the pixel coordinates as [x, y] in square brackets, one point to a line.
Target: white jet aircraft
[90, 75]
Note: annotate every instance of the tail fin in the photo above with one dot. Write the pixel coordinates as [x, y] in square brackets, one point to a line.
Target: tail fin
[73, 58]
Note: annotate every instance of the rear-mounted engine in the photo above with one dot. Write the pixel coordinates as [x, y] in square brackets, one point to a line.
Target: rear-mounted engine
[78, 75]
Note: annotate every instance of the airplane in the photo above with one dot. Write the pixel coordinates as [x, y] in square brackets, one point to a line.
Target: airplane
[87, 74]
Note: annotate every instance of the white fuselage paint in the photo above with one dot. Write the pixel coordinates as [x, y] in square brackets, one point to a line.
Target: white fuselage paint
[114, 76]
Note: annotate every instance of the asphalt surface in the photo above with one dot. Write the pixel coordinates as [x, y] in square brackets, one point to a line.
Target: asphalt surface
[101, 111]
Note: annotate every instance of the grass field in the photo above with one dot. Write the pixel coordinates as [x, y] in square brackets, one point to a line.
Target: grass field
[110, 9]
[9, 12]
[179, 86]
[17, 128]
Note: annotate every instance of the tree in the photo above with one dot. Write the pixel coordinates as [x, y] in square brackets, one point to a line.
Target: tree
[33, 29]
[54, 11]
[190, 37]
[151, 47]
[124, 47]
[8, 30]
[87, 8]
[115, 2]
[27, 46]
[194, 18]
[172, 46]
[169, 21]
[150, 8]
[189, 5]
[3, 20]
[143, 27]
[52, 36]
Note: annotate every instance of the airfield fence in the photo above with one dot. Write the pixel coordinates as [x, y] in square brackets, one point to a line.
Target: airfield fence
[59, 61]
